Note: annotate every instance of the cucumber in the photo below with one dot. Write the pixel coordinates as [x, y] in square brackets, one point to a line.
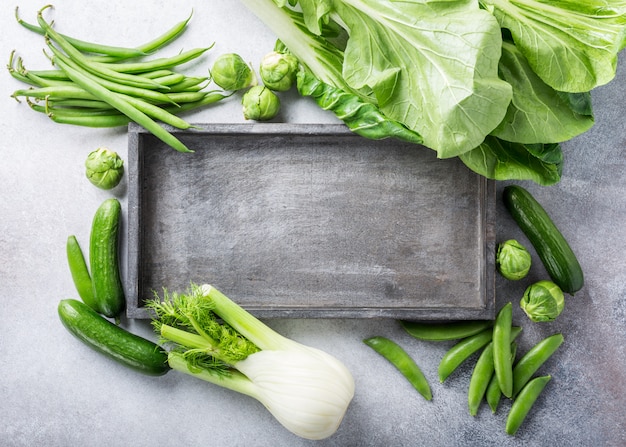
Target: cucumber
[553, 250]
[110, 339]
[108, 291]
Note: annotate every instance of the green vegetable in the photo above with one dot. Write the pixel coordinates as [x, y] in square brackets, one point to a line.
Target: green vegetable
[260, 103]
[104, 86]
[502, 349]
[524, 402]
[513, 260]
[571, 45]
[108, 291]
[493, 394]
[479, 381]
[361, 117]
[553, 250]
[278, 70]
[543, 301]
[533, 359]
[445, 331]
[107, 338]
[80, 271]
[104, 168]
[307, 390]
[430, 65]
[502, 160]
[457, 41]
[399, 358]
[231, 72]
[456, 355]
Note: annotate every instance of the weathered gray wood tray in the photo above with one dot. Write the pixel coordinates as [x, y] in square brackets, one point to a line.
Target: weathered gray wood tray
[310, 221]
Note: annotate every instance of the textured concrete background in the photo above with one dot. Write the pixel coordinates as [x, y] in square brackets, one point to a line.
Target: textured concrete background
[56, 392]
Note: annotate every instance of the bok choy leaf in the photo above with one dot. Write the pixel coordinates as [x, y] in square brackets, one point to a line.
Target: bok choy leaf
[571, 44]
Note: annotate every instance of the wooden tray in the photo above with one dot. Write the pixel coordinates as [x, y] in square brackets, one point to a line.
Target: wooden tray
[310, 221]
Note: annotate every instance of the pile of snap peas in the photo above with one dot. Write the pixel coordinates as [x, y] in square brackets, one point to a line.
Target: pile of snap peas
[496, 372]
[97, 85]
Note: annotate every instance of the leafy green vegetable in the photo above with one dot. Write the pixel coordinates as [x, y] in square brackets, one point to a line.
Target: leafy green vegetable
[538, 113]
[499, 83]
[362, 117]
[502, 160]
[571, 44]
[430, 65]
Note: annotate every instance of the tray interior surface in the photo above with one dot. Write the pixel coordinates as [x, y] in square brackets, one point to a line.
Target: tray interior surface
[310, 221]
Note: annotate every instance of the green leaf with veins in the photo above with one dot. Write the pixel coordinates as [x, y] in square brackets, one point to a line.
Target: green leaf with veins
[538, 113]
[571, 44]
[432, 65]
[502, 160]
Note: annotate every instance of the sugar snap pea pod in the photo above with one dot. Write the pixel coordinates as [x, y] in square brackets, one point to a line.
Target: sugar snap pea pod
[399, 358]
[533, 359]
[493, 393]
[502, 349]
[481, 376]
[80, 271]
[465, 348]
[444, 331]
[524, 402]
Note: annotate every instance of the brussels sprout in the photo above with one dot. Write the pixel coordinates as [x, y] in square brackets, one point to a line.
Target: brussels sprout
[260, 103]
[232, 73]
[513, 260]
[104, 168]
[278, 70]
[543, 301]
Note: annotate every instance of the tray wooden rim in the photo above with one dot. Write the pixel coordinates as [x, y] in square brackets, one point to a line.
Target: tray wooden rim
[135, 310]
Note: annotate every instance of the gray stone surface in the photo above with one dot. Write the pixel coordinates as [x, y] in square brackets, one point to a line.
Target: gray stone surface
[56, 392]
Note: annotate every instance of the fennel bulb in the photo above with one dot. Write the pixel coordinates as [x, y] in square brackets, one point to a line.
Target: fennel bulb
[307, 390]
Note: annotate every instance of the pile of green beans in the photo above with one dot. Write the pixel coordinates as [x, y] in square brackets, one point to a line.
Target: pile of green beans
[495, 373]
[97, 85]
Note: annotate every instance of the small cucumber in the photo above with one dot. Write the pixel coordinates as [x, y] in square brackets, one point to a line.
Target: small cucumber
[553, 250]
[80, 271]
[108, 291]
[110, 339]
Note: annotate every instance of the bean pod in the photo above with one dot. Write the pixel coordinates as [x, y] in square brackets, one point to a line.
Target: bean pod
[399, 358]
[524, 402]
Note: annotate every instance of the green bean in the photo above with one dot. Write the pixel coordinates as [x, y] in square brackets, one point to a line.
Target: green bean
[58, 75]
[524, 402]
[189, 84]
[444, 331]
[157, 112]
[399, 358]
[75, 92]
[479, 381]
[100, 121]
[80, 104]
[166, 37]
[168, 80]
[153, 45]
[502, 349]
[52, 108]
[90, 47]
[150, 94]
[117, 101]
[154, 64]
[493, 393]
[533, 359]
[93, 67]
